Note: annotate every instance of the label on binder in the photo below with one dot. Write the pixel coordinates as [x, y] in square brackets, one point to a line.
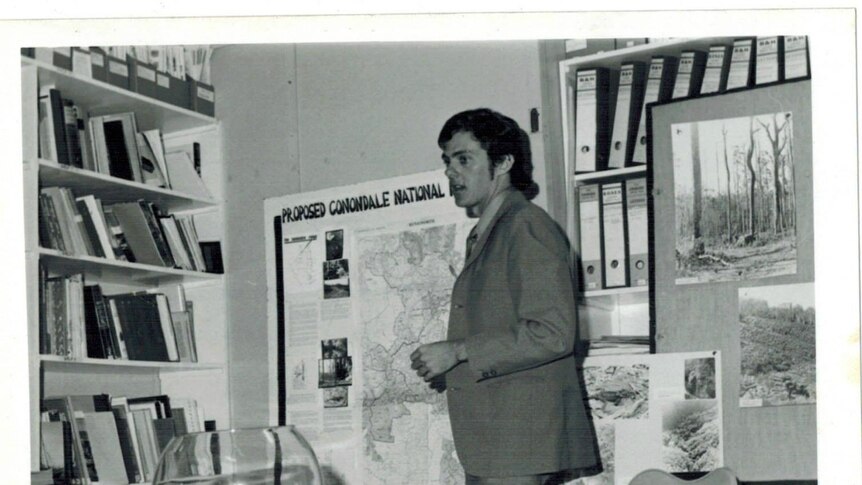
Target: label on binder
[795, 56]
[147, 73]
[714, 66]
[636, 217]
[119, 68]
[740, 65]
[613, 235]
[590, 270]
[767, 68]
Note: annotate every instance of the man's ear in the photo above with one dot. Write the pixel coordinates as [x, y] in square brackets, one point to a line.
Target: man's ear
[505, 165]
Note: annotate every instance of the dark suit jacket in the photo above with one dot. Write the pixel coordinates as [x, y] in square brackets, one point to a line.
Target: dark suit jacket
[516, 406]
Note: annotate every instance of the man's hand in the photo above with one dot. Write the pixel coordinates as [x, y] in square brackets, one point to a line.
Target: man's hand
[434, 359]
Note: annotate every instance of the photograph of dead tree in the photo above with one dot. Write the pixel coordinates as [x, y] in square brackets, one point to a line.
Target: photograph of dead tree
[777, 345]
[691, 436]
[735, 198]
[618, 391]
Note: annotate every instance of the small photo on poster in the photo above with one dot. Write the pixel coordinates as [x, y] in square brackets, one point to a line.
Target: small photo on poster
[335, 397]
[335, 372]
[336, 279]
[700, 378]
[691, 436]
[618, 391]
[333, 348]
[334, 244]
[299, 376]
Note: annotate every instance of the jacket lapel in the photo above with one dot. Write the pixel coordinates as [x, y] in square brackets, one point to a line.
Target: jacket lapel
[512, 199]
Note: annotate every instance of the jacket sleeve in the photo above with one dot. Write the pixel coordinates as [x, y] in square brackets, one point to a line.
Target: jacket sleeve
[540, 283]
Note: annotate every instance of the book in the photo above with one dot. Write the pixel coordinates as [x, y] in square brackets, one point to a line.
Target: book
[102, 239]
[614, 263]
[73, 142]
[145, 434]
[742, 59]
[590, 237]
[629, 102]
[769, 65]
[592, 114]
[50, 231]
[151, 168]
[156, 144]
[142, 232]
[116, 145]
[55, 147]
[796, 59]
[660, 77]
[94, 238]
[177, 243]
[105, 445]
[689, 75]
[119, 243]
[183, 176]
[637, 231]
[128, 438]
[717, 69]
[147, 329]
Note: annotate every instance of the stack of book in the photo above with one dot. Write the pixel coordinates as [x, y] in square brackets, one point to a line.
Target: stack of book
[78, 321]
[610, 106]
[111, 439]
[614, 245]
[112, 145]
[129, 231]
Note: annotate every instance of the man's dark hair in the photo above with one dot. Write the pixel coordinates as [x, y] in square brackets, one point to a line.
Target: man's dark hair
[498, 135]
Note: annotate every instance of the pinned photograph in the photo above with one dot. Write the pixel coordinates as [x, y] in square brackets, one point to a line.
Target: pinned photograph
[335, 397]
[691, 436]
[333, 348]
[336, 279]
[700, 378]
[335, 372]
[777, 345]
[299, 377]
[618, 391]
[735, 199]
[334, 244]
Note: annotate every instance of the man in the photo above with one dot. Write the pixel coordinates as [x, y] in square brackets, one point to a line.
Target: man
[515, 401]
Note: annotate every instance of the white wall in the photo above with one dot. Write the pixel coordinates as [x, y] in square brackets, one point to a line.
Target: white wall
[307, 117]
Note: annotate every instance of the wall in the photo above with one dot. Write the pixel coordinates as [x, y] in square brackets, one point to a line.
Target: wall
[307, 117]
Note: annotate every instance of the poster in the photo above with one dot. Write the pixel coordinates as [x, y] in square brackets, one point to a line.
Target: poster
[654, 411]
[365, 275]
[734, 187]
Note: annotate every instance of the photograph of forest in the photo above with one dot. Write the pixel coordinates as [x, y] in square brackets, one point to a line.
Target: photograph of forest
[691, 436]
[777, 340]
[735, 199]
[618, 391]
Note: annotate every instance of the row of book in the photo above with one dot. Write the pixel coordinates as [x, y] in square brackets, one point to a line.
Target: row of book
[618, 344]
[610, 112]
[89, 439]
[173, 74]
[112, 145]
[614, 239]
[78, 321]
[127, 231]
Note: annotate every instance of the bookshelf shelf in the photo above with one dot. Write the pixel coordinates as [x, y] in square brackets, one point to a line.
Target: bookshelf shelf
[607, 174]
[640, 52]
[113, 271]
[103, 98]
[57, 361]
[112, 189]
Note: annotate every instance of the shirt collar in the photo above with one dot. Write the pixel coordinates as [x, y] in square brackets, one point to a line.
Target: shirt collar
[489, 212]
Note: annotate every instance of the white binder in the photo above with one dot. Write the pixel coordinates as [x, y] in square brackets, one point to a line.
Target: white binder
[590, 270]
[614, 235]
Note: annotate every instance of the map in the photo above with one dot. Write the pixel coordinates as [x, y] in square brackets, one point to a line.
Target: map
[405, 281]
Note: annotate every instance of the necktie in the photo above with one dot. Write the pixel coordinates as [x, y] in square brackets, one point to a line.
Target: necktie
[471, 241]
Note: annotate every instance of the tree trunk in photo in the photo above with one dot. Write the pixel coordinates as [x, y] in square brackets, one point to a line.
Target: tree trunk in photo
[777, 146]
[727, 209]
[749, 162]
[696, 182]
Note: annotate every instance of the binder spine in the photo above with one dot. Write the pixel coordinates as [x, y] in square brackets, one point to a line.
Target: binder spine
[613, 236]
[742, 64]
[592, 140]
[690, 73]
[590, 271]
[769, 67]
[629, 102]
[796, 59]
[717, 70]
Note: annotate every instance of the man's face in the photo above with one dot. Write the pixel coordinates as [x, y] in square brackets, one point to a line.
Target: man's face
[469, 173]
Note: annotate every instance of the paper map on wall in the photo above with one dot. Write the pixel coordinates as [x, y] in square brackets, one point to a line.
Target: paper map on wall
[370, 267]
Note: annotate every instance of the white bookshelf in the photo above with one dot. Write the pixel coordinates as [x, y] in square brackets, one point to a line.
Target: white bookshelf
[205, 381]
